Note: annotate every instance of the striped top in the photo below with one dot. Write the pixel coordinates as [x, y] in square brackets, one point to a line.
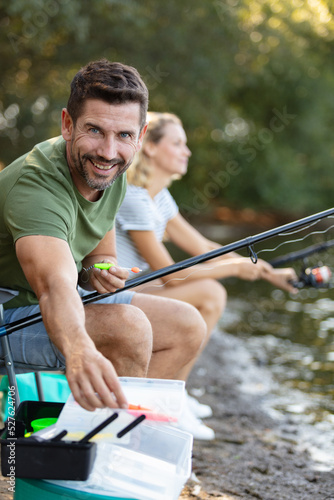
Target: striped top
[139, 212]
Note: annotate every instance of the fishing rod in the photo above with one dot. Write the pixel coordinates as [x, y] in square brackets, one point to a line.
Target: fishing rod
[317, 276]
[302, 254]
[248, 242]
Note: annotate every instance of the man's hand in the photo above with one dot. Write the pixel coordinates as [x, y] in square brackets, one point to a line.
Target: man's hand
[92, 378]
[106, 281]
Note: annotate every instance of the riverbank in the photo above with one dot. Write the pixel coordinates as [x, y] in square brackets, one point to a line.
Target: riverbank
[254, 456]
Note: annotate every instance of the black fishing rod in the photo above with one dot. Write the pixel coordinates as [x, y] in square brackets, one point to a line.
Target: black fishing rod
[318, 276]
[179, 266]
[302, 254]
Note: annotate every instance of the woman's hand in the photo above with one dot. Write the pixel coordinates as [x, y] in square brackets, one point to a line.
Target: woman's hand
[280, 278]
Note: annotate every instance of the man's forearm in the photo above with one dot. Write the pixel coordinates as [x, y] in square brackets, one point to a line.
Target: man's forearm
[64, 317]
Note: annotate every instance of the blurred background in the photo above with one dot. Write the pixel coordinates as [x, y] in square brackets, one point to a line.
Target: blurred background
[252, 81]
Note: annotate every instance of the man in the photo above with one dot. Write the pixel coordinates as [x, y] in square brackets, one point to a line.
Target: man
[57, 210]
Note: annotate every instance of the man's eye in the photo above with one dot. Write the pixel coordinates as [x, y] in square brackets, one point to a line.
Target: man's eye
[124, 135]
[94, 130]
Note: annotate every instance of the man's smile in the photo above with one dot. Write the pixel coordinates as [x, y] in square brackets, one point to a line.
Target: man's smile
[105, 166]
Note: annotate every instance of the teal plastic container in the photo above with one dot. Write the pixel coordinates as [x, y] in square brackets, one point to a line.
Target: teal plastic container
[55, 388]
[35, 489]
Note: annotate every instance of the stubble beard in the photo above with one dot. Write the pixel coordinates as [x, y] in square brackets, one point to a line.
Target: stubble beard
[98, 182]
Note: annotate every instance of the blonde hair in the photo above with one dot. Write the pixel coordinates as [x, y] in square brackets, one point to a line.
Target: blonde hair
[140, 171]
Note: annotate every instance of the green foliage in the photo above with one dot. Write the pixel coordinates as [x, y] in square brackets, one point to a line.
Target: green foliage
[251, 80]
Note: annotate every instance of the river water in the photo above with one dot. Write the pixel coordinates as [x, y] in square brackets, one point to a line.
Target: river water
[291, 339]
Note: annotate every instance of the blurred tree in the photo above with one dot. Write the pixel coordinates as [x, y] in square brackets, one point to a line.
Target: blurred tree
[251, 80]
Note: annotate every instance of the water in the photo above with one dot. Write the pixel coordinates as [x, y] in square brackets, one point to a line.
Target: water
[296, 335]
[292, 336]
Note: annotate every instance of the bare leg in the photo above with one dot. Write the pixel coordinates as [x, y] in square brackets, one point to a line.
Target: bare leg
[178, 334]
[123, 334]
[209, 298]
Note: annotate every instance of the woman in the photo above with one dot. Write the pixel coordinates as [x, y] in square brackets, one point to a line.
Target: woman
[149, 213]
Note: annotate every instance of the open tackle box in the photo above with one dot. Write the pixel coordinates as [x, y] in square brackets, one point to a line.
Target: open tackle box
[23, 457]
[151, 461]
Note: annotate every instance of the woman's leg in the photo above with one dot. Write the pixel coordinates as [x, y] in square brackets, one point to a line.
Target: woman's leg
[207, 295]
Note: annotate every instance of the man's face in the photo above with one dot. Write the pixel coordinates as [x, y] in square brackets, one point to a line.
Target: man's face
[102, 144]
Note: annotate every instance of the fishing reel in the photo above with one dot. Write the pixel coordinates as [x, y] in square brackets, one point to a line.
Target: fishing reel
[315, 277]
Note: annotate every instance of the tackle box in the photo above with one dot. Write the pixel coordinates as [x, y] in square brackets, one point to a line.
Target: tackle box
[22, 457]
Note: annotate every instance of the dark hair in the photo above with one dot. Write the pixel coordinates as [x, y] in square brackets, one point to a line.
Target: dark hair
[112, 82]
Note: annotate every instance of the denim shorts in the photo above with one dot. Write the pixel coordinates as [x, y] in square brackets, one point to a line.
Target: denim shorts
[31, 345]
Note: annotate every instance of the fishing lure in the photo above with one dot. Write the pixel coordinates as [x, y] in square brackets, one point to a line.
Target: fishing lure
[108, 265]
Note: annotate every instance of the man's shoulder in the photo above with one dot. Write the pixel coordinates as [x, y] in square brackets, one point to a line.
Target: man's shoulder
[47, 155]
[46, 160]
[51, 151]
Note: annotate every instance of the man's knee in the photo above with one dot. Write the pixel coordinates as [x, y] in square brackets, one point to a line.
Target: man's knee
[124, 335]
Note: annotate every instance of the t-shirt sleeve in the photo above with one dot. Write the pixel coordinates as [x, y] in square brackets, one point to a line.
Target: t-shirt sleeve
[167, 205]
[38, 207]
[135, 213]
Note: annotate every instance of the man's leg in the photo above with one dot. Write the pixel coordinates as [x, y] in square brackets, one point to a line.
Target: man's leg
[120, 331]
[123, 334]
[178, 334]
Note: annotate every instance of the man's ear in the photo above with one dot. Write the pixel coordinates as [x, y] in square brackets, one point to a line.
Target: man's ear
[141, 137]
[66, 125]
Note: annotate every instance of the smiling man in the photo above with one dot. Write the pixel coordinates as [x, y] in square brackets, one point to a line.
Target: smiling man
[57, 211]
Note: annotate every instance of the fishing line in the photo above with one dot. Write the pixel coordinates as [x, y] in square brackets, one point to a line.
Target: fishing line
[296, 240]
[303, 229]
[161, 285]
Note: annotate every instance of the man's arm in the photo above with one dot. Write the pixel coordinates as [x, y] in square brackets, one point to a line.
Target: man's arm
[51, 272]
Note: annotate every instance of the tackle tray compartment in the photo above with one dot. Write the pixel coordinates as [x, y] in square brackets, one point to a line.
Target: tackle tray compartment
[25, 458]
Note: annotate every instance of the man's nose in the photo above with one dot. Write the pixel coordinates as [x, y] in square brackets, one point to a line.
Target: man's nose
[108, 148]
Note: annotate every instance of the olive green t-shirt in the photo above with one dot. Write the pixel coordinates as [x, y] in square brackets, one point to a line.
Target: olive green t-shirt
[38, 197]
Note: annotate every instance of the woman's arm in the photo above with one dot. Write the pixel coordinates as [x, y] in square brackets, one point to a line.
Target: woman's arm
[190, 240]
[157, 256]
[186, 237]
